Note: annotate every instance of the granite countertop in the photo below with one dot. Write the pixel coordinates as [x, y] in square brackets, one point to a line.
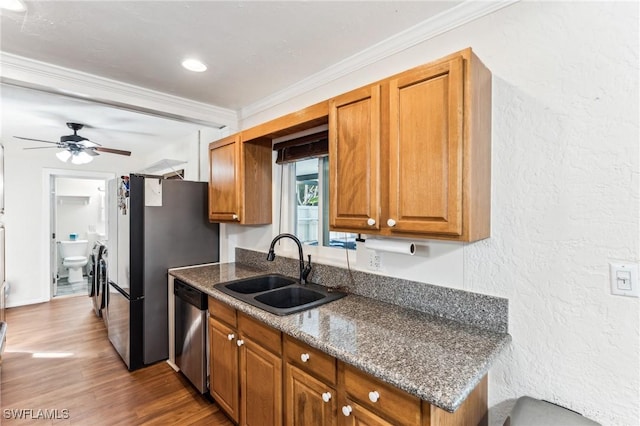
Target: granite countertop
[438, 360]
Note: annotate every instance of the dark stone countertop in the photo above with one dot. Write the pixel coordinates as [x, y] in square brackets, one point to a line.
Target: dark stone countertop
[438, 360]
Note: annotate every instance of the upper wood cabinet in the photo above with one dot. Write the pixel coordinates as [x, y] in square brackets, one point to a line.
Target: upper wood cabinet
[354, 155]
[240, 180]
[411, 155]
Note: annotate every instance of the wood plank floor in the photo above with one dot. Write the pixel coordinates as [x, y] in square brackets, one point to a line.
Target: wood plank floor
[58, 357]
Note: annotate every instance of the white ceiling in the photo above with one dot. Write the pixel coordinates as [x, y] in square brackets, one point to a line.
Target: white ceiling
[253, 49]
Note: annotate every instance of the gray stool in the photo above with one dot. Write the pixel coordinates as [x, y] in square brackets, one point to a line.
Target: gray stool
[533, 412]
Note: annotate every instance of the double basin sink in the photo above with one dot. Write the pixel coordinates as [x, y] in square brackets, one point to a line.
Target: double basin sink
[279, 294]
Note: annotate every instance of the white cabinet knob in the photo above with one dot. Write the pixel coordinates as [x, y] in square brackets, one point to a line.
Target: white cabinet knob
[240, 342]
[234, 217]
[391, 222]
[374, 396]
[231, 336]
[371, 221]
[304, 357]
[326, 397]
[346, 410]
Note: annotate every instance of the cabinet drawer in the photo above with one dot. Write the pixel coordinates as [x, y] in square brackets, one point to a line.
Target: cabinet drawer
[260, 333]
[223, 312]
[317, 362]
[391, 402]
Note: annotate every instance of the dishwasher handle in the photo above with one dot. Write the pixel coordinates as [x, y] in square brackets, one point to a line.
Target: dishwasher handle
[190, 295]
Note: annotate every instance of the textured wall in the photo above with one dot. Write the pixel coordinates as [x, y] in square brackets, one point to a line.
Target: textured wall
[565, 202]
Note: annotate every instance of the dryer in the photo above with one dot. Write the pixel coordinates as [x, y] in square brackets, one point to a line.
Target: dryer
[99, 281]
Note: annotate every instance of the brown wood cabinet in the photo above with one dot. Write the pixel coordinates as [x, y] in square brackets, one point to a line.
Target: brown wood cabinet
[356, 415]
[354, 155]
[223, 361]
[366, 397]
[310, 385]
[411, 156]
[308, 401]
[245, 359]
[240, 180]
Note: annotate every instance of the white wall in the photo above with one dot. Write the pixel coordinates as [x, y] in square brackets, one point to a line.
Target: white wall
[27, 257]
[76, 216]
[565, 202]
[193, 150]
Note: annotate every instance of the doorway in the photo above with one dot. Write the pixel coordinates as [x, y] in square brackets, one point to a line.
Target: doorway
[77, 219]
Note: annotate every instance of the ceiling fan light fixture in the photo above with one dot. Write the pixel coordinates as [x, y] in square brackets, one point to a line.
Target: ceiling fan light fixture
[63, 156]
[194, 65]
[81, 158]
[13, 5]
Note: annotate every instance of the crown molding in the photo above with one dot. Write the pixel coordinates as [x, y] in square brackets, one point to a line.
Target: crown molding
[450, 19]
[20, 71]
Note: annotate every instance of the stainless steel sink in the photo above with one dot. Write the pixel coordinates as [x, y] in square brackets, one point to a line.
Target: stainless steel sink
[259, 284]
[279, 294]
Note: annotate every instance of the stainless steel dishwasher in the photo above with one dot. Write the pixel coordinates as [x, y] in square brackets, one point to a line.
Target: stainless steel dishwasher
[191, 334]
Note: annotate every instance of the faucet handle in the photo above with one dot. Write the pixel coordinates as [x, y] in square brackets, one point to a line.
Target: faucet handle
[307, 270]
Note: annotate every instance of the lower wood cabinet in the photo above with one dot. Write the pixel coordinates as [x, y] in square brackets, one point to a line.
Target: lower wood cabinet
[356, 415]
[261, 377]
[260, 384]
[366, 397]
[245, 360]
[224, 367]
[308, 401]
[310, 385]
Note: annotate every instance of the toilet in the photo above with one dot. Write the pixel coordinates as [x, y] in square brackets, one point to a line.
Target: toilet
[74, 257]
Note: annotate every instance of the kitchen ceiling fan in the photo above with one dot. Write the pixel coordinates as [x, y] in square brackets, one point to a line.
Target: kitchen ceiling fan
[76, 149]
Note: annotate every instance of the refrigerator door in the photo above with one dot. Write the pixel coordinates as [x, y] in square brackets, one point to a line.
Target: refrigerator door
[124, 319]
[117, 313]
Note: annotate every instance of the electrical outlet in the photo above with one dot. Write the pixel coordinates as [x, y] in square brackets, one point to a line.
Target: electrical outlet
[375, 264]
[624, 279]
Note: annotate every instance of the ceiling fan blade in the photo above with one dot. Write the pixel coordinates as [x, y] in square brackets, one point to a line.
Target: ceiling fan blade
[112, 151]
[42, 147]
[37, 140]
[90, 144]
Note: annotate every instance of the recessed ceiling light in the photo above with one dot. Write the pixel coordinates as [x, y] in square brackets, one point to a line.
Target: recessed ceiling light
[13, 5]
[194, 65]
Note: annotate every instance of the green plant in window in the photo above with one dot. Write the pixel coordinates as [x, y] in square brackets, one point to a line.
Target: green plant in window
[308, 194]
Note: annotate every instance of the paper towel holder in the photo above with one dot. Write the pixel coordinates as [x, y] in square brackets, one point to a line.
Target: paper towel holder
[391, 245]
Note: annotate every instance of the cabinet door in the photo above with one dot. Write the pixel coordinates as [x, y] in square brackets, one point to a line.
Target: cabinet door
[426, 137]
[261, 384]
[308, 401]
[354, 155]
[223, 359]
[224, 180]
[356, 415]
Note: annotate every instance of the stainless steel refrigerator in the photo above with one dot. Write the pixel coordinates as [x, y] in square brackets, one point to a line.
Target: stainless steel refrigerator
[153, 225]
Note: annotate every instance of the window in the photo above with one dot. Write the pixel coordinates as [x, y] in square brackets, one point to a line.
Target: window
[311, 216]
[307, 164]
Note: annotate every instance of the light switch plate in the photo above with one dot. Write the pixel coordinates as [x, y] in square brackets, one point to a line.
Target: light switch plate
[624, 279]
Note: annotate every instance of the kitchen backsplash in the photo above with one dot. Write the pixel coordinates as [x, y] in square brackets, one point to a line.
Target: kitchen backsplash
[476, 309]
